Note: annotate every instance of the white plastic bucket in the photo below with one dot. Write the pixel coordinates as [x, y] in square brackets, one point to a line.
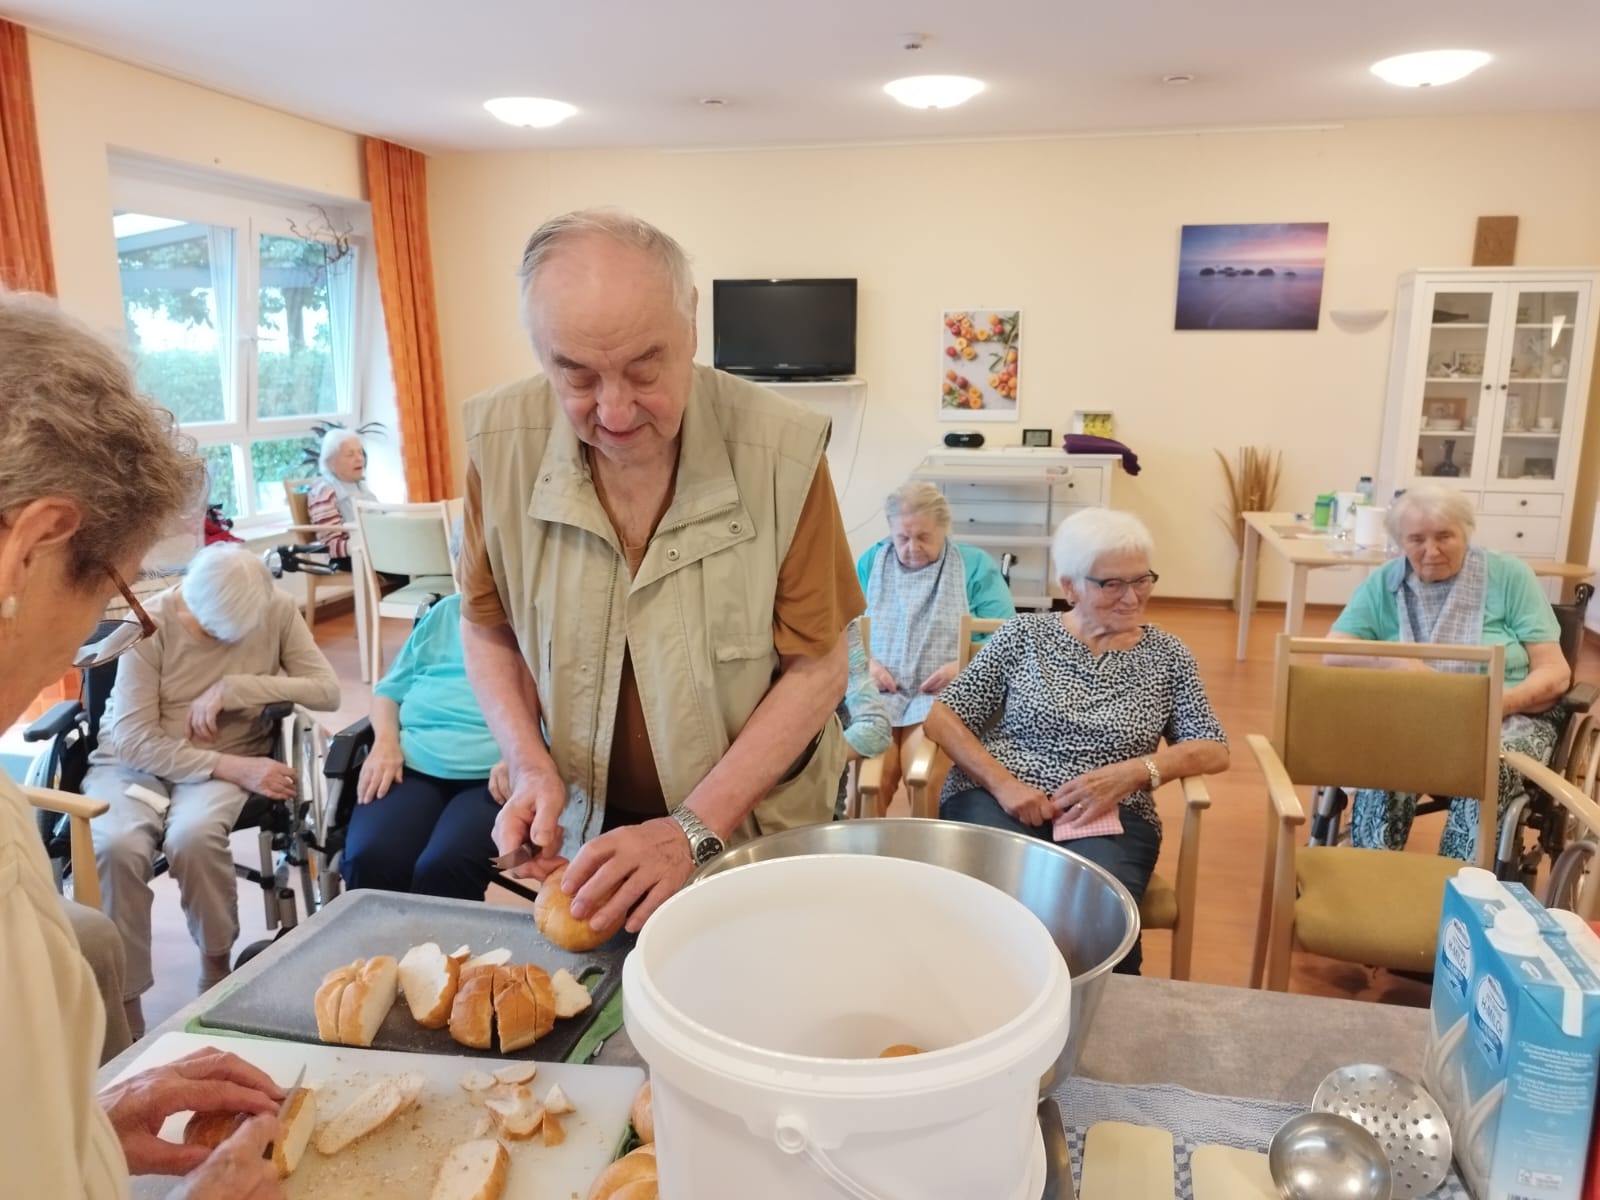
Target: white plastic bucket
[762, 996]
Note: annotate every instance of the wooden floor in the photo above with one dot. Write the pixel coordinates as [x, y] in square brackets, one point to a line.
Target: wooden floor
[1232, 843]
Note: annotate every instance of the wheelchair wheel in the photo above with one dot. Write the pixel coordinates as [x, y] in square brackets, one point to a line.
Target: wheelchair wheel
[253, 949]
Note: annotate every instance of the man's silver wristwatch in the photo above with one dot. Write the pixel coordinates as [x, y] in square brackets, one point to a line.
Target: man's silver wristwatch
[704, 845]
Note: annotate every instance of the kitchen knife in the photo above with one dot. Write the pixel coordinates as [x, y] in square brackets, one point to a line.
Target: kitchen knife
[283, 1109]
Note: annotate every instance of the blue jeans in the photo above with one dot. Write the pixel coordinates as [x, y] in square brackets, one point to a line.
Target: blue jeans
[1130, 856]
[428, 836]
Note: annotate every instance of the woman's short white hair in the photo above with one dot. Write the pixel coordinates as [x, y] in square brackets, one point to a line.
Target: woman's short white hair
[228, 589]
[915, 497]
[332, 442]
[1087, 536]
[1435, 501]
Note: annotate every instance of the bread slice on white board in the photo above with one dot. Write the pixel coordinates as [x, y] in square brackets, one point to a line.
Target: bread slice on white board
[299, 1119]
[473, 1171]
[370, 1111]
[1223, 1173]
[1127, 1162]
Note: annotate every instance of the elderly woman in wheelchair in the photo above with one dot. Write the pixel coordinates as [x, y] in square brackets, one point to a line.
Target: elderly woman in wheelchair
[432, 783]
[182, 748]
[90, 476]
[1445, 590]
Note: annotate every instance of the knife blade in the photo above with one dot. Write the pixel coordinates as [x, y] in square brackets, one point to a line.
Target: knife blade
[283, 1109]
[524, 853]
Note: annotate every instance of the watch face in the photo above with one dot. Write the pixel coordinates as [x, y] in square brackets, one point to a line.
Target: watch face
[706, 849]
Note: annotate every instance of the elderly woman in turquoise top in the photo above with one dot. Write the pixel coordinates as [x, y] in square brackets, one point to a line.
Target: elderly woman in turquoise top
[432, 785]
[1447, 591]
[919, 583]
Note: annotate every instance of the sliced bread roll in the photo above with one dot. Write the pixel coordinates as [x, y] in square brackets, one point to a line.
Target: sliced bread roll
[472, 1011]
[329, 997]
[643, 1116]
[572, 997]
[299, 1120]
[367, 999]
[524, 1005]
[552, 913]
[637, 1167]
[639, 1189]
[518, 1117]
[429, 978]
[473, 1171]
[370, 1111]
[211, 1129]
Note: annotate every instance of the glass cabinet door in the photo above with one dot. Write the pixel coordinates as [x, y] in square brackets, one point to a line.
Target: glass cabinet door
[1535, 387]
[1456, 397]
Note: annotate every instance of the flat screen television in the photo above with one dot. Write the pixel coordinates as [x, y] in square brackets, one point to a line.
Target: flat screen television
[784, 328]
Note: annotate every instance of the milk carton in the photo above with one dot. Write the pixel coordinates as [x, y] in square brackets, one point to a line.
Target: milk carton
[1514, 1045]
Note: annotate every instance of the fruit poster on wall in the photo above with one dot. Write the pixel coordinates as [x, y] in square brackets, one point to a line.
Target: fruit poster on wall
[979, 361]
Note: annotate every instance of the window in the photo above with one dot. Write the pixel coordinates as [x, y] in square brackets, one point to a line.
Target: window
[241, 316]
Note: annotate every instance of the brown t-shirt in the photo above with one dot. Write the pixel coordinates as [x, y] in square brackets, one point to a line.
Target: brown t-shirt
[818, 595]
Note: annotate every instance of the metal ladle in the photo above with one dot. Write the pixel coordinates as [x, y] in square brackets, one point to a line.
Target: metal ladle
[1318, 1155]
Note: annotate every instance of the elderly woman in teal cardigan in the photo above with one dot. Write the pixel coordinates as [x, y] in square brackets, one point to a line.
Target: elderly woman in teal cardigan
[919, 583]
[1445, 590]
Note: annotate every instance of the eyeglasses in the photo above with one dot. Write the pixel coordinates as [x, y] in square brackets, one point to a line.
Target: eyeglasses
[1114, 588]
[121, 637]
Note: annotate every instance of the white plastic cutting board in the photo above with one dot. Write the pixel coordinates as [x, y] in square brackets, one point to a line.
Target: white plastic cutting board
[399, 1162]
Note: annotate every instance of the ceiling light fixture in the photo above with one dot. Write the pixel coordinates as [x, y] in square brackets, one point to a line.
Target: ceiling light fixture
[934, 91]
[1429, 68]
[529, 111]
[1177, 80]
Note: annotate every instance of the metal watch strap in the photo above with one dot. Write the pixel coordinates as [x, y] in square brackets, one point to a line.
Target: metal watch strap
[698, 833]
[1153, 771]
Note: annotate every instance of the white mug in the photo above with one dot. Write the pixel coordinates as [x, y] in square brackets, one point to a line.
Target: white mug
[1546, 423]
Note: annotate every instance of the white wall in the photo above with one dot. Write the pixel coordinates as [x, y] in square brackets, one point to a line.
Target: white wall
[1082, 235]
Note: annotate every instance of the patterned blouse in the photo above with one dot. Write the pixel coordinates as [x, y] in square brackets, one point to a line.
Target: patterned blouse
[1048, 708]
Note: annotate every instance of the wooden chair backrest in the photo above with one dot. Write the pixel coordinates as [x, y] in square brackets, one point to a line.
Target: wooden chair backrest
[1431, 732]
[296, 492]
[974, 632]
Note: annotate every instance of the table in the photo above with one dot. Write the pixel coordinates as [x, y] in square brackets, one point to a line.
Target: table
[1222, 1040]
[1306, 548]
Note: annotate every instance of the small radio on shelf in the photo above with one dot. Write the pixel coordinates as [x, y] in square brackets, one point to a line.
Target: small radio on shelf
[963, 441]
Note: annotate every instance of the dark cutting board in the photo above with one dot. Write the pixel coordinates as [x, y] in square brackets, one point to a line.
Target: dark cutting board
[358, 924]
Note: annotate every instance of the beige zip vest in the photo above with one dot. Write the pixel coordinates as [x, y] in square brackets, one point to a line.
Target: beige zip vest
[697, 617]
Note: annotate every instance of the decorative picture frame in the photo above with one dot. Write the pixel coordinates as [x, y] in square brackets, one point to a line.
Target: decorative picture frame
[979, 360]
[1038, 437]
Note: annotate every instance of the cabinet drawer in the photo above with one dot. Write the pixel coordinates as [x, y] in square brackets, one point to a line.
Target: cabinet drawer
[1084, 485]
[1531, 537]
[1522, 504]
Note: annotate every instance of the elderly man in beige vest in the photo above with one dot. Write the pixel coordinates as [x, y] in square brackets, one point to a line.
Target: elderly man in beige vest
[656, 582]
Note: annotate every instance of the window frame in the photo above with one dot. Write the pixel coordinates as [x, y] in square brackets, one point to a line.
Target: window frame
[206, 201]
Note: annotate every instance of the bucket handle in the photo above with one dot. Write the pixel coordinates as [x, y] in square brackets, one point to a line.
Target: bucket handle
[792, 1137]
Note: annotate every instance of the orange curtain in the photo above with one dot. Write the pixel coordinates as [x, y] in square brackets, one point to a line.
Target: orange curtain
[25, 262]
[398, 189]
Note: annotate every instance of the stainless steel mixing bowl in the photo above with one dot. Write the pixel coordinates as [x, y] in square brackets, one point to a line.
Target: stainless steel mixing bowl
[1091, 916]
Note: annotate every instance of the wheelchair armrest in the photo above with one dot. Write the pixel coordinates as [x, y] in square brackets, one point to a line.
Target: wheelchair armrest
[60, 719]
[1581, 697]
[344, 746]
[273, 713]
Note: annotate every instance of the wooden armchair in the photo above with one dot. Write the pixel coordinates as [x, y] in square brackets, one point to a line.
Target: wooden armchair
[1427, 732]
[82, 810]
[1169, 903]
[863, 776]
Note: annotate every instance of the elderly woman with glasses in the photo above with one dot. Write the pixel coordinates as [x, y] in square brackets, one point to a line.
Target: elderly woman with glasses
[182, 746]
[1446, 590]
[1055, 727]
[90, 477]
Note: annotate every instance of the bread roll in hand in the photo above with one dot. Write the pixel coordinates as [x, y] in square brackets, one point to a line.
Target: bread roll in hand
[552, 913]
